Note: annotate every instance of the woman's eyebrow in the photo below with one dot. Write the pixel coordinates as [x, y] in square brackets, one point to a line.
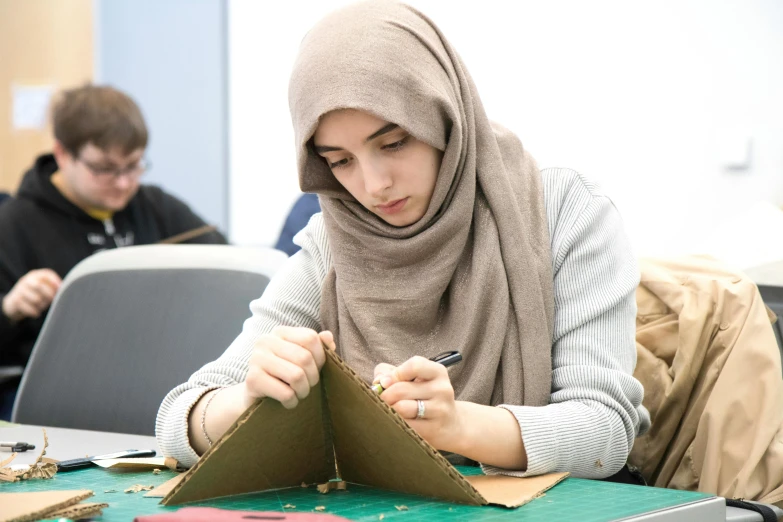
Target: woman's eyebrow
[380, 132]
[320, 149]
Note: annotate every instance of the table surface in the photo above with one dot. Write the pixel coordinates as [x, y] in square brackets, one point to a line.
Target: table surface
[573, 499]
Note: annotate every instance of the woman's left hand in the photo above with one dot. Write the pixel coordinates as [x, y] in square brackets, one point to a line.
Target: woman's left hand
[419, 379]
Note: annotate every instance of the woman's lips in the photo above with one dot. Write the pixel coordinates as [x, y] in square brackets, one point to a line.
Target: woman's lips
[392, 207]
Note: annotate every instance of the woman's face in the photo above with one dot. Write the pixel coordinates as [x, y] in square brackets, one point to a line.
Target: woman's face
[386, 169]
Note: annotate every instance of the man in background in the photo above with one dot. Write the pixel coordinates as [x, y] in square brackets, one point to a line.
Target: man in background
[83, 198]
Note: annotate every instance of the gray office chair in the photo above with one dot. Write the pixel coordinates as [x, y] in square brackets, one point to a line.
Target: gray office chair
[130, 324]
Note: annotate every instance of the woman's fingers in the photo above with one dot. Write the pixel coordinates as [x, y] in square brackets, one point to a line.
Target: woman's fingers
[304, 337]
[381, 370]
[260, 384]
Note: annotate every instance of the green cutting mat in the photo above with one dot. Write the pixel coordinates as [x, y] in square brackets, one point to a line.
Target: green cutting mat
[572, 499]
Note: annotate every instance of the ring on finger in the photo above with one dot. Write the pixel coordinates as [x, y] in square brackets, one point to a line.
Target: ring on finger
[420, 411]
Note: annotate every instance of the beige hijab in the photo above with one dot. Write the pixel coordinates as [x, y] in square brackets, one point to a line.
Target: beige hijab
[474, 274]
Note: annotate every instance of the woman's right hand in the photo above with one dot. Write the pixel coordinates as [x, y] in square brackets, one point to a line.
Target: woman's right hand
[285, 364]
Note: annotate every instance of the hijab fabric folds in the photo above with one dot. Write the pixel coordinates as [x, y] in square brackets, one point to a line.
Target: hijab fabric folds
[474, 274]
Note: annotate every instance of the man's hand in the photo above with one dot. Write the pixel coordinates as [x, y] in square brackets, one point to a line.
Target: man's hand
[31, 295]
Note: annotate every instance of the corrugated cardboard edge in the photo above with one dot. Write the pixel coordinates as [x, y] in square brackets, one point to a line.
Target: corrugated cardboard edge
[73, 497]
[78, 511]
[162, 490]
[426, 446]
[511, 492]
[239, 463]
[239, 422]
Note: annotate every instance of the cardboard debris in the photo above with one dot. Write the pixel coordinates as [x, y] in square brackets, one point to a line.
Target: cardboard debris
[343, 420]
[139, 487]
[42, 468]
[332, 484]
[163, 490]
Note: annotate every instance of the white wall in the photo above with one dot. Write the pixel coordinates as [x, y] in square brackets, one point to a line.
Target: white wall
[644, 97]
[170, 56]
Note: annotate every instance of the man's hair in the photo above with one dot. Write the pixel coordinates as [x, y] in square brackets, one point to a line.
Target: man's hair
[100, 115]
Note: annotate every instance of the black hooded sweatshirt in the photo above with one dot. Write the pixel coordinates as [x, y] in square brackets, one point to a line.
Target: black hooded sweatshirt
[39, 228]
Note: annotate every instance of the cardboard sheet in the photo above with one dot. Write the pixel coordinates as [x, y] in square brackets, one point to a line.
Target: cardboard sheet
[27, 507]
[341, 417]
[138, 464]
[511, 492]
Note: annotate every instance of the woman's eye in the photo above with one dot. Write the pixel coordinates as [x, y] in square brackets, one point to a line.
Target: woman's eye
[337, 164]
[397, 145]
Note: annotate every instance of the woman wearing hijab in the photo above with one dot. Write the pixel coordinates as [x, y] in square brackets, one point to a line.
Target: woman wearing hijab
[438, 232]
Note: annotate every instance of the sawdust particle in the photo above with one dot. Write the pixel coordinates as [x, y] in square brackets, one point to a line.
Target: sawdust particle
[401, 508]
[156, 471]
[380, 517]
[289, 506]
[110, 491]
[320, 508]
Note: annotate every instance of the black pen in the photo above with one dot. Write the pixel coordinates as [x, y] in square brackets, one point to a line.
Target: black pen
[15, 447]
[445, 358]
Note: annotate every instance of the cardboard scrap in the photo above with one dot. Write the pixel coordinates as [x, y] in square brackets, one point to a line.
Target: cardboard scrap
[341, 420]
[139, 487]
[28, 507]
[163, 490]
[332, 484]
[42, 468]
[513, 491]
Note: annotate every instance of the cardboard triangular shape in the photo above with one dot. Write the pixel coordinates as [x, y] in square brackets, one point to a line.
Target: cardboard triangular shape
[251, 457]
[23, 507]
[374, 447]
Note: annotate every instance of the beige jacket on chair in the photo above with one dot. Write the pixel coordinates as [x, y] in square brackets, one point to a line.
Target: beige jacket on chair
[711, 370]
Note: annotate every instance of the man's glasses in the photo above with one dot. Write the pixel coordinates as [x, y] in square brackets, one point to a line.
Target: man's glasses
[134, 171]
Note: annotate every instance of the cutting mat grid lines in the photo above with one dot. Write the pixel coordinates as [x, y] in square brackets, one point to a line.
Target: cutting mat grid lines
[572, 499]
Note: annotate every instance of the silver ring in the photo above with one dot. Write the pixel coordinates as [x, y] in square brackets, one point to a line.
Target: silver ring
[420, 413]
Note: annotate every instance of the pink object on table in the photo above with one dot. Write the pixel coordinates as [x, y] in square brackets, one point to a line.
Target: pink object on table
[203, 514]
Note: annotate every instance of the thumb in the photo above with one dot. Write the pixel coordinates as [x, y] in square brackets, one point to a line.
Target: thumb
[327, 338]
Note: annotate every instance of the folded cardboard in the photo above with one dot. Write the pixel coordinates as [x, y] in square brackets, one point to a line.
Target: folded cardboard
[270, 447]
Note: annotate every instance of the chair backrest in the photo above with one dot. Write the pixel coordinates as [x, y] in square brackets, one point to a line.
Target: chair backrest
[130, 324]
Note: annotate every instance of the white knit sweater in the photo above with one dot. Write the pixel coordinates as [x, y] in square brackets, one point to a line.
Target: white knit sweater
[595, 410]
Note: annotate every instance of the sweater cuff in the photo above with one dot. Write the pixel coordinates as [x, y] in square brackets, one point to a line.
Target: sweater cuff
[172, 428]
[540, 439]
